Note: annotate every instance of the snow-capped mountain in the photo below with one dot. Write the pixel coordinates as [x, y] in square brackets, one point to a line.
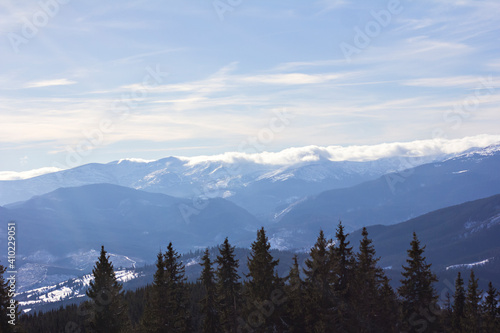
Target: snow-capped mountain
[396, 197]
[262, 188]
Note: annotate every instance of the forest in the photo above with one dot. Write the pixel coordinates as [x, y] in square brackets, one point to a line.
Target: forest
[337, 290]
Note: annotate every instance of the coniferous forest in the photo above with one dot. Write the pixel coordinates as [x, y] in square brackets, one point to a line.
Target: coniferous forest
[339, 289]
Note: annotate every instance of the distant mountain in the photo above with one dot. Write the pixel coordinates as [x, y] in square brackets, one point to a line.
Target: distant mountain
[395, 197]
[263, 189]
[454, 236]
[126, 221]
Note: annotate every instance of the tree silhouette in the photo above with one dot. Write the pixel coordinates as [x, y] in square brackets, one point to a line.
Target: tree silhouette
[211, 321]
[108, 313]
[228, 288]
[458, 304]
[417, 292]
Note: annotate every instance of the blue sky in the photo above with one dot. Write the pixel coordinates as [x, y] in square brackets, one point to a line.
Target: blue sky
[87, 81]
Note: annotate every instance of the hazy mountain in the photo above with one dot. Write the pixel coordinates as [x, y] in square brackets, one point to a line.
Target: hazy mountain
[262, 188]
[463, 234]
[457, 238]
[395, 197]
[126, 221]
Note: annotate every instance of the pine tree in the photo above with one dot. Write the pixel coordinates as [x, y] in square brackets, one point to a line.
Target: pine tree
[152, 319]
[295, 312]
[176, 314]
[318, 281]
[387, 309]
[211, 322]
[458, 304]
[491, 320]
[108, 312]
[447, 314]
[375, 301]
[261, 286]
[417, 292]
[9, 311]
[472, 310]
[368, 277]
[228, 288]
[343, 272]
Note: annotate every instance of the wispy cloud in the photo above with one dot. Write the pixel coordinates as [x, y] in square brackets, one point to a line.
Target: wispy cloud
[224, 78]
[454, 81]
[291, 78]
[49, 83]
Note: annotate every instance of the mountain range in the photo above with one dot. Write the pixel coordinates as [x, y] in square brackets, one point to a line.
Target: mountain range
[396, 197]
[136, 208]
[261, 188]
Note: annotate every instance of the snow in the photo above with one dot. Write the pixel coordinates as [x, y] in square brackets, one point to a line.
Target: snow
[471, 265]
[181, 176]
[475, 226]
[193, 261]
[73, 288]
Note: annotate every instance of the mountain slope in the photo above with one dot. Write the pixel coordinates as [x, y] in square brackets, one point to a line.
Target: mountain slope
[258, 187]
[461, 234]
[398, 197]
[126, 221]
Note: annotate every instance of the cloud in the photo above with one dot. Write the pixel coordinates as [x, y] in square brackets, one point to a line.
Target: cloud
[49, 83]
[13, 175]
[454, 81]
[329, 5]
[135, 160]
[140, 57]
[291, 78]
[360, 153]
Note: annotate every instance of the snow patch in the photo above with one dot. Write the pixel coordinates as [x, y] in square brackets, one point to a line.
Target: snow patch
[193, 261]
[70, 289]
[471, 265]
[475, 226]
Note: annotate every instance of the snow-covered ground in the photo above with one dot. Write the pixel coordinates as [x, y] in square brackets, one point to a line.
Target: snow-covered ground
[71, 289]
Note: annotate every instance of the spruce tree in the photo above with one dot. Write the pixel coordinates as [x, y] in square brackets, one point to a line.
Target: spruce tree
[447, 314]
[374, 300]
[343, 273]
[417, 292]
[368, 278]
[458, 304]
[318, 283]
[228, 288]
[387, 309]
[491, 312]
[176, 312]
[262, 283]
[295, 312]
[152, 318]
[472, 310]
[211, 322]
[107, 309]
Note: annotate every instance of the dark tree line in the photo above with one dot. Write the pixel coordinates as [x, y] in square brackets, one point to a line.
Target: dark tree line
[337, 290]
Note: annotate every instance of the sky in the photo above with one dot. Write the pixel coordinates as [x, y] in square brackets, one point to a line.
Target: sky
[92, 81]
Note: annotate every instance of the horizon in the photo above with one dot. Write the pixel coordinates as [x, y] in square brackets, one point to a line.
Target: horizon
[295, 155]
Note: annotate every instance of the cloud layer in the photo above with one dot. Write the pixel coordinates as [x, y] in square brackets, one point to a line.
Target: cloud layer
[420, 148]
